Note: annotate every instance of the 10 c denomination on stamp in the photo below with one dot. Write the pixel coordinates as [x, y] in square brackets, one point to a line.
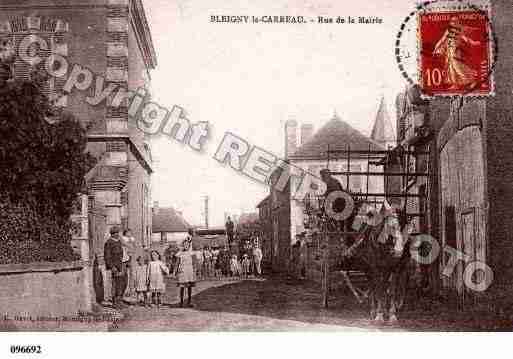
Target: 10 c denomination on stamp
[455, 53]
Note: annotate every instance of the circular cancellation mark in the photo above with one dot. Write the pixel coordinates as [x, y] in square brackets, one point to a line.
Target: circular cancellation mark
[459, 38]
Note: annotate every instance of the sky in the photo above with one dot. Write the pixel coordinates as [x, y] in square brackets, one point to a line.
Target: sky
[250, 78]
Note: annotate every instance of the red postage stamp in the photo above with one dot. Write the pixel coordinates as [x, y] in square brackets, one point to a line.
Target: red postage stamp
[455, 53]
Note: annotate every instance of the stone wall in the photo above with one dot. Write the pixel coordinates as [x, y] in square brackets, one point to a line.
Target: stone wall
[45, 290]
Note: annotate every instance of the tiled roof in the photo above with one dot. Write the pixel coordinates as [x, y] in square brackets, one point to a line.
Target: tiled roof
[262, 202]
[248, 218]
[338, 135]
[168, 220]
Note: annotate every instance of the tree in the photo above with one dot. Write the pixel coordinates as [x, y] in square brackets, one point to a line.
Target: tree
[42, 169]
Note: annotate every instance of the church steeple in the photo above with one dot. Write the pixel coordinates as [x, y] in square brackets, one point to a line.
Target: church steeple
[382, 131]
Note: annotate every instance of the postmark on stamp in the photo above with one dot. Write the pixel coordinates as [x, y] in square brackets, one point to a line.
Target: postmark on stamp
[455, 53]
[455, 47]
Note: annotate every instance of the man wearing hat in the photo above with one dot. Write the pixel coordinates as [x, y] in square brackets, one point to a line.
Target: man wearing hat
[113, 256]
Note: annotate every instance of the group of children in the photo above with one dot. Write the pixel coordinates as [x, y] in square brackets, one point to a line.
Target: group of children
[149, 277]
[242, 268]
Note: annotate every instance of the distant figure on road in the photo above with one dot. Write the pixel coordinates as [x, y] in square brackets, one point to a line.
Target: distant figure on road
[185, 270]
[224, 258]
[200, 270]
[234, 266]
[246, 264]
[229, 229]
[257, 259]
[207, 262]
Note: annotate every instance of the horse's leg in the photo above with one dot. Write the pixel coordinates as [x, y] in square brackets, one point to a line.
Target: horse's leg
[373, 304]
[371, 296]
[379, 297]
[390, 291]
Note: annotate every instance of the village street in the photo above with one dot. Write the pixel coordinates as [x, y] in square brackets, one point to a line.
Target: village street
[271, 304]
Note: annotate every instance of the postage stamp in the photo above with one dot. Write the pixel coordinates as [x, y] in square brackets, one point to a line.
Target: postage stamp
[455, 53]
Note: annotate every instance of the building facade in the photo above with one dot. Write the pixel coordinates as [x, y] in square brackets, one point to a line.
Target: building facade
[469, 198]
[282, 213]
[111, 39]
[312, 156]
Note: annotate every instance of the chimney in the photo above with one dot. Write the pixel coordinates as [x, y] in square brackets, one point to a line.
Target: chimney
[156, 204]
[290, 137]
[307, 130]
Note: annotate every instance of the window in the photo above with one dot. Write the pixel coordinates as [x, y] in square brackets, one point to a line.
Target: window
[54, 33]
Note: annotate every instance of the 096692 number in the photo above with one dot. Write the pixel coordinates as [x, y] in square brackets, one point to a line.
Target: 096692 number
[26, 349]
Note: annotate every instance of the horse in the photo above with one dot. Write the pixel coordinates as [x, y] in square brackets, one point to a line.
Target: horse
[382, 252]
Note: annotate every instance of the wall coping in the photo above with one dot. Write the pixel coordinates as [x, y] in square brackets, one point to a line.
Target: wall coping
[41, 267]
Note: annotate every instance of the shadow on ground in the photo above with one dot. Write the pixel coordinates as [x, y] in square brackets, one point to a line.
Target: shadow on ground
[284, 299]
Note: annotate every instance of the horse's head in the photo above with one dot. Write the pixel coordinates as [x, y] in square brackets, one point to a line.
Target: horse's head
[385, 223]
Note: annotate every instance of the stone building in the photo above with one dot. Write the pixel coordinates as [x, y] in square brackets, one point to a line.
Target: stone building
[168, 225]
[475, 172]
[312, 156]
[282, 215]
[110, 38]
[467, 195]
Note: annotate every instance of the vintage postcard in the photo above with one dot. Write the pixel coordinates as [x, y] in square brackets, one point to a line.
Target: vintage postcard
[241, 166]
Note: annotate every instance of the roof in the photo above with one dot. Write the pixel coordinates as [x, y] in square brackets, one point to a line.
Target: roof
[248, 218]
[262, 202]
[168, 220]
[338, 135]
[382, 131]
[210, 241]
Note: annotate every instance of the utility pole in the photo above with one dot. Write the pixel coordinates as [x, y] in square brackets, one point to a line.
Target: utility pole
[206, 212]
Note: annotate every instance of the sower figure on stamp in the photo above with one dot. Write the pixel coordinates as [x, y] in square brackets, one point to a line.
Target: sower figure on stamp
[451, 47]
[185, 270]
[113, 256]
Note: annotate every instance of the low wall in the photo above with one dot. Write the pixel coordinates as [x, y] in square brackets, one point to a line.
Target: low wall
[45, 289]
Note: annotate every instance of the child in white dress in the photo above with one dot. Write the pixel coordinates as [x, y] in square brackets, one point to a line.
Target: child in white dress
[245, 266]
[234, 266]
[141, 281]
[156, 271]
[185, 270]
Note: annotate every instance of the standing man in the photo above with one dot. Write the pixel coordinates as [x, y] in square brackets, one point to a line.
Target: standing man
[113, 256]
[257, 258]
[229, 229]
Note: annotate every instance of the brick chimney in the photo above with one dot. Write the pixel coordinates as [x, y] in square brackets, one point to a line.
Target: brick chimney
[307, 130]
[155, 208]
[290, 137]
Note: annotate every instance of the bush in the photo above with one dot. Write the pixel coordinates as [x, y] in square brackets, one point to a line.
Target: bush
[42, 170]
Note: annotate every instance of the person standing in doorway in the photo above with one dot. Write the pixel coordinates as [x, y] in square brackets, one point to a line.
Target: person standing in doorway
[185, 270]
[113, 256]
